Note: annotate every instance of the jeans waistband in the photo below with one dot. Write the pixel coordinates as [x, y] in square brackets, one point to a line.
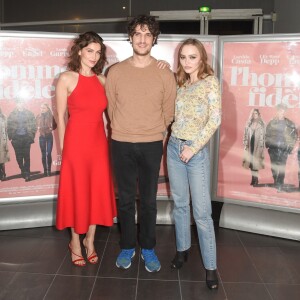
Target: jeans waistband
[177, 140]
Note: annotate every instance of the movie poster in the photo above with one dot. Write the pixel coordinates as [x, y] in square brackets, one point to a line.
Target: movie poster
[30, 64]
[29, 68]
[259, 153]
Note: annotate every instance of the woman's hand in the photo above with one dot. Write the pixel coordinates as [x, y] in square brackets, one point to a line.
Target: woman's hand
[186, 154]
[163, 64]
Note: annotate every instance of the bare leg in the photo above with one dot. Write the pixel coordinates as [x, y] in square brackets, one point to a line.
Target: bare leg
[88, 243]
[76, 249]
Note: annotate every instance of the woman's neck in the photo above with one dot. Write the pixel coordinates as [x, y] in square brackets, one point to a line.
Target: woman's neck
[86, 71]
[194, 78]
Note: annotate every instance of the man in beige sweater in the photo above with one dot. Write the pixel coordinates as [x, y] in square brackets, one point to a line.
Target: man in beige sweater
[141, 99]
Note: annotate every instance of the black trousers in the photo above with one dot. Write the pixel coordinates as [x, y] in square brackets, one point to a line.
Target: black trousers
[278, 159]
[134, 162]
[21, 145]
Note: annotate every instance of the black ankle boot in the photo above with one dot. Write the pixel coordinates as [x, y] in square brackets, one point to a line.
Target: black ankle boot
[212, 281]
[2, 172]
[252, 180]
[255, 182]
[179, 259]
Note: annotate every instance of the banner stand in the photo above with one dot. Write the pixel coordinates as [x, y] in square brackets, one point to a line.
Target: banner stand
[27, 214]
[261, 221]
[42, 214]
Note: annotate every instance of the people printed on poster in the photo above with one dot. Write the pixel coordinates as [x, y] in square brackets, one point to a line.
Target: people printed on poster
[21, 130]
[298, 155]
[46, 123]
[254, 144]
[28, 77]
[4, 152]
[279, 137]
[259, 75]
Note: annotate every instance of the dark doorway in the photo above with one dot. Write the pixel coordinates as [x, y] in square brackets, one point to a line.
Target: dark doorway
[230, 27]
[179, 27]
[215, 27]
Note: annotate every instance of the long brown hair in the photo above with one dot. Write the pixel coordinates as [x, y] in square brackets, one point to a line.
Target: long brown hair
[49, 110]
[250, 119]
[204, 70]
[81, 42]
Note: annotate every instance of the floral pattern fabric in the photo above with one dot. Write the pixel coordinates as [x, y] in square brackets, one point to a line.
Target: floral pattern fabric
[197, 112]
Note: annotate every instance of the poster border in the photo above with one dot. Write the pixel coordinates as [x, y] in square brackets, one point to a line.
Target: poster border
[246, 39]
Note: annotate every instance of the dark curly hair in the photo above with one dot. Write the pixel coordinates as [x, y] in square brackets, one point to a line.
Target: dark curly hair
[81, 42]
[144, 20]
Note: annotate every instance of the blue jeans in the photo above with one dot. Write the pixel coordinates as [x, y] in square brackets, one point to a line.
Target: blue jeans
[46, 145]
[193, 177]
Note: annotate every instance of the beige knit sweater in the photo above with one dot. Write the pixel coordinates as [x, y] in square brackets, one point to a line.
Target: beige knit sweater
[140, 101]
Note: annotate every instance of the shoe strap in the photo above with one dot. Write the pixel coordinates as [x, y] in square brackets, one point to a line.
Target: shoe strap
[93, 255]
[81, 257]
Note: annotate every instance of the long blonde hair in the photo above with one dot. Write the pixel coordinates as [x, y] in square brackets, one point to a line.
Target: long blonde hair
[205, 68]
[49, 110]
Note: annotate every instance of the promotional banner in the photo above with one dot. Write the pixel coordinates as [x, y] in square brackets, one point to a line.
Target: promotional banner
[29, 68]
[30, 64]
[259, 154]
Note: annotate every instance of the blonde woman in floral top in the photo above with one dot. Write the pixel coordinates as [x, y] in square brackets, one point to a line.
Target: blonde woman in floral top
[197, 117]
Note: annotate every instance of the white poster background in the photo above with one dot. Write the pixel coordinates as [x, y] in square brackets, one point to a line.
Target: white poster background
[30, 64]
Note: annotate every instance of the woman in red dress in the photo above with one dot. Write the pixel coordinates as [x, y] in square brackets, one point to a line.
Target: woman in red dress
[86, 195]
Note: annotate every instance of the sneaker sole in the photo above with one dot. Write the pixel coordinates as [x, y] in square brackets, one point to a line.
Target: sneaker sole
[153, 271]
[127, 267]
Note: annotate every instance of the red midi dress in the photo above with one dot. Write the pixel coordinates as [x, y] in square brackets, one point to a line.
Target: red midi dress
[85, 195]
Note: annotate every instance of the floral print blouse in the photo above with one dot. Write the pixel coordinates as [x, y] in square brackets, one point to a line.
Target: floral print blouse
[197, 112]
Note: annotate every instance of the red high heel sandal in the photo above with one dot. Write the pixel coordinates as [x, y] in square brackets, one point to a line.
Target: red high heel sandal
[75, 262]
[91, 256]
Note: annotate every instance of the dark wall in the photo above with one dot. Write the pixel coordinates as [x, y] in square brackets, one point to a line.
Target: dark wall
[144, 6]
[43, 10]
[287, 10]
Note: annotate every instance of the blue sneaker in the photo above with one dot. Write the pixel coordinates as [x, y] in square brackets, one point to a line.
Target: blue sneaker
[152, 263]
[124, 258]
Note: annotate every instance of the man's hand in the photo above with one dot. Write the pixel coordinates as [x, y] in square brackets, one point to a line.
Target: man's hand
[163, 64]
